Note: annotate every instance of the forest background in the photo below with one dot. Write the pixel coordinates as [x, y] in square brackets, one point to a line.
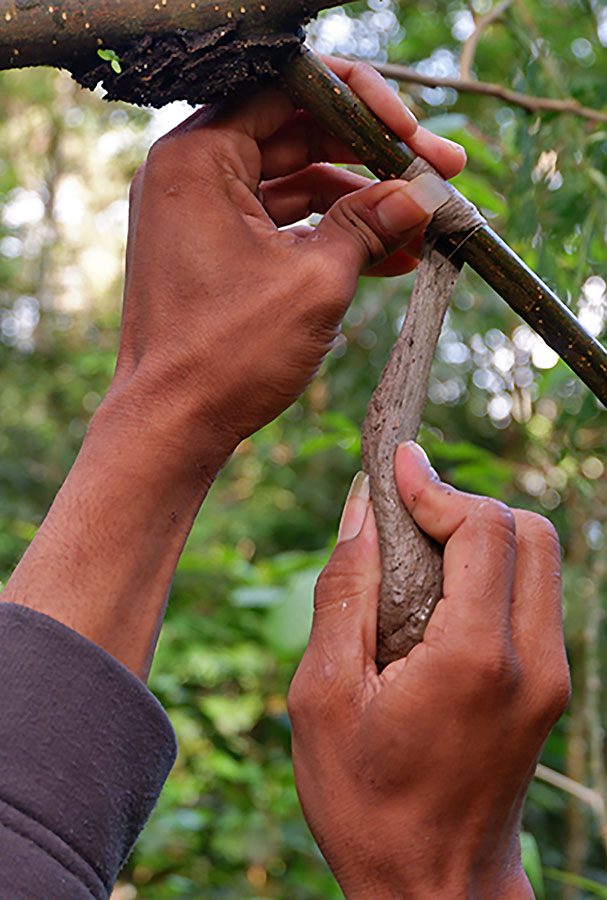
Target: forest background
[505, 417]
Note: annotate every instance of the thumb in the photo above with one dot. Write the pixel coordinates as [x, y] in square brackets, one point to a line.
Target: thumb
[364, 227]
[345, 601]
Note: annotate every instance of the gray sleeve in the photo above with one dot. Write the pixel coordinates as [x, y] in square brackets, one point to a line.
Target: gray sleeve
[85, 749]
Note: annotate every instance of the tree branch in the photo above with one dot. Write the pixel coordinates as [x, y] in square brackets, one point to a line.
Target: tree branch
[482, 23]
[39, 32]
[408, 75]
[581, 792]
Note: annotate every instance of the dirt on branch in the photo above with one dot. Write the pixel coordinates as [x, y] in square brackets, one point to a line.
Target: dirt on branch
[187, 65]
[155, 51]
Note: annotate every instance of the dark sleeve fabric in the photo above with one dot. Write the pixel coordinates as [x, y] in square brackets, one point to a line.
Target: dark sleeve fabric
[85, 749]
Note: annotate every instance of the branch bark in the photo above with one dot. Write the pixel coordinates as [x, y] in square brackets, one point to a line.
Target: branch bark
[412, 574]
[55, 32]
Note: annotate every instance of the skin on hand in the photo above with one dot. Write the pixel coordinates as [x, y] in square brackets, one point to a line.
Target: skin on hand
[226, 319]
[247, 301]
[413, 780]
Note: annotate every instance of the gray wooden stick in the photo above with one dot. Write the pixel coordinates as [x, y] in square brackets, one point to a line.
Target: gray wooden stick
[411, 562]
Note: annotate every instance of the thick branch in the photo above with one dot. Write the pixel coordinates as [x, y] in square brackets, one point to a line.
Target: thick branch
[45, 32]
[408, 75]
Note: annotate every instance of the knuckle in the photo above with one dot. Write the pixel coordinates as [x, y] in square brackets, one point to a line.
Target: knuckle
[346, 576]
[497, 519]
[161, 160]
[222, 146]
[496, 671]
[322, 274]
[560, 693]
[176, 160]
[299, 697]
[353, 216]
[554, 695]
[539, 531]
[136, 182]
[332, 583]
[325, 285]
[319, 688]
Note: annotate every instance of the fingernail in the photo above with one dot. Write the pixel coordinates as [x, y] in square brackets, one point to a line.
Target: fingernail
[457, 146]
[429, 192]
[421, 458]
[355, 508]
[426, 191]
[410, 116]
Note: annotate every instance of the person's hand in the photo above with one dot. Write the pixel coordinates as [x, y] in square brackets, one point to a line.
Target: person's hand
[413, 780]
[228, 315]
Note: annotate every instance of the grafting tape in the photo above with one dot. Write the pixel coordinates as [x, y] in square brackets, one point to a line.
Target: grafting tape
[457, 216]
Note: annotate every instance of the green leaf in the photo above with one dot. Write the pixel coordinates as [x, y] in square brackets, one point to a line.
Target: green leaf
[532, 863]
[479, 192]
[112, 57]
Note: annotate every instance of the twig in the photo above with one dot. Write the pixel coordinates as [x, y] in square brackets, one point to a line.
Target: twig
[585, 794]
[471, 43]
[409, 75]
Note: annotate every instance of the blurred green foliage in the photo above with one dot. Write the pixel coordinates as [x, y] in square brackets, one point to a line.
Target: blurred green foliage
[503, 418]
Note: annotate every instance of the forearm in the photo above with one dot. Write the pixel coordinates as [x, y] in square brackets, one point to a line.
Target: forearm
[103, 559]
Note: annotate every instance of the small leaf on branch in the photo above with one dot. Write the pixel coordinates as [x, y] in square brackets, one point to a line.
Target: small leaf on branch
[112, 57]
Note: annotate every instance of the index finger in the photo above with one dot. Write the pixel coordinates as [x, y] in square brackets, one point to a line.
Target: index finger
[301, 141]
[373, 88]
[446, 156]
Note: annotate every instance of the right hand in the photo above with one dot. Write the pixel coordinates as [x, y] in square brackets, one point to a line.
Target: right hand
[228, 316]
[412, 780]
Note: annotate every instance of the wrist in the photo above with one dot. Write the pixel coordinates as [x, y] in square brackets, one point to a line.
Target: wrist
[432, 871]
[180, 445]
[506, 886]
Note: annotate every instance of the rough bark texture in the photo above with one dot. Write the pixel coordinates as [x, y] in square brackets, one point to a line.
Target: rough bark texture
[186, 65]
[411, 562]
[56, 32]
